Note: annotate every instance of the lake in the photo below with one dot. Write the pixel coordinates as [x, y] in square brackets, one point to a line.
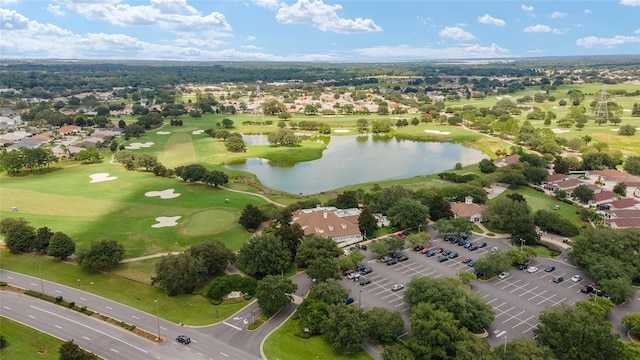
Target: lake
[350, 160]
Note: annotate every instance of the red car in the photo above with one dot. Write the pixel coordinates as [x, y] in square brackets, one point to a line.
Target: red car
[424, 251]
[401, 235]
[466, 260]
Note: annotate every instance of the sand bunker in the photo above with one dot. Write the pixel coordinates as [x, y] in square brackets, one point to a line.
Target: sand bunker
[137, 145]
[164, 221]
[197, 132]
[100, 177]
[437, 132]
[341, 131]
[164, 194]
[559, 131]
[163, 132]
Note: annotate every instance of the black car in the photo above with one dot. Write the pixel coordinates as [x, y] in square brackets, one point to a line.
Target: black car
[473, 247]
[550, 268]
[455, 240]
[366, 270]
[392, 261]
[360, 267]
[402, 258]
[183, 339]
[481, 244]
[365, 281]
[442, 258]
[446, 252]
[522, 267]
[453, 255]
[588, 289]
[418, 248]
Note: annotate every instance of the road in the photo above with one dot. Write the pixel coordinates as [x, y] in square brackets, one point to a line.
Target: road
[226, 340]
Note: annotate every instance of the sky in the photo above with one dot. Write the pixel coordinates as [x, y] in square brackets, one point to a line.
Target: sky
[316, 30]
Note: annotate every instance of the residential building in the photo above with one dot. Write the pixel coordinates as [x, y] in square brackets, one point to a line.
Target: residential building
[467, 210]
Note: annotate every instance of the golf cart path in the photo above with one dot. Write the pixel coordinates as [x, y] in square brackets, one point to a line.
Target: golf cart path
[253, 194]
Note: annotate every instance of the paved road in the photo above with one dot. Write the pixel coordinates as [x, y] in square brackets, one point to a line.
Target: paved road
[227, 340]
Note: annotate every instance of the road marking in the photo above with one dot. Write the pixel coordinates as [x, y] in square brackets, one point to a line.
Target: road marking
[114, 350]
[58, 291]
[371, 261]
[135, 317]
[34, 284]
[88, 327]
[59, 327]
[501, 333]
[231, 325]
[194, 341]
[223, 354]
[9, 277]
[83, 299]
[6, 307]
[109, 307]
[31, 316]
[86, 338]
[163, 328]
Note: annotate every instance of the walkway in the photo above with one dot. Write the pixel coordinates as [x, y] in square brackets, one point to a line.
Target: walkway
[148, 257]
[253, 194]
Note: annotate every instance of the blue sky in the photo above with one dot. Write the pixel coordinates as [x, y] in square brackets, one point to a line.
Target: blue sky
[315, 30]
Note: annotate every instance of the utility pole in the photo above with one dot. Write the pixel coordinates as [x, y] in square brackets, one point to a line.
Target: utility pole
[41, 282]
[158, 316]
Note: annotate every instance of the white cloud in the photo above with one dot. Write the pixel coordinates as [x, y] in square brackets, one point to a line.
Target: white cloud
[487, 19]
[7, 2]
[271, 4]
[172, 15]
[55, 10]
[251, 47]
[526, 8]
[539, 28]
[587, 11]
[456, 52]
[251, 38]
[593, 41]
[630, 2]
[324, 17]
[558, 15]
[456, 33]
[637, 31]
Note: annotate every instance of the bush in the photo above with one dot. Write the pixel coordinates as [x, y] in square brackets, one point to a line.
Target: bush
[3, 283]
[58, 299]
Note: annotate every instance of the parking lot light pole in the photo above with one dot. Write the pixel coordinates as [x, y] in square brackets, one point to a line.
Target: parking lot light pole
[505, 344]
[360, 298]
[419, 225]
[521, 244]
[158, 315]
[41, 282]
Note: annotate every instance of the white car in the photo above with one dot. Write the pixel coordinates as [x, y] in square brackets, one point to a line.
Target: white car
[576, 278]
[503, 275]
[495, 248]
[397, 287]
[532, 269]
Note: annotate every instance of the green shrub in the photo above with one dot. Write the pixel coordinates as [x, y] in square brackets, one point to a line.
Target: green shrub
[58, 299]
[3, 283]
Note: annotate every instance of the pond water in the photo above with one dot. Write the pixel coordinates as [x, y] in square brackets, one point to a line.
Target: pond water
[349, 160]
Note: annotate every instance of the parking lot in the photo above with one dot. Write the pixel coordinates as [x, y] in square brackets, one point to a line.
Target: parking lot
[517, 300]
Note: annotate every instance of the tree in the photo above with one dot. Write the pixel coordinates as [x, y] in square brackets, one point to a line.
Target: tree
[384, 325]
[19, 237]
[283, 137]
[367, 222]
[227, 123]
[235, 144]
[146, 161]
[627, 130]
[312, 314]
[191, 173]
[596, 306]
[434, 332]
[330, 292]
[347, 200]
[291, 236]
[321, 270]
[502, 213]
[214, 255]
[89, 155]
[493, 263]
[315, 247]
[573, 334]
[12, 161]
[70, 351]
[274, 292]
[127, 158]
[61, 246]
[439, 207]
[620, 289]
[42, 238]
[522, 349]
[487, 166]
[583, 193]
[181, 272]
[263, 255]
[251, 217]
[363, 125]
[101, 254]
[215, 178]
[632, 323]
[632, 165]
[408, 213]
[345, 329]
[397, 352]
[620, 189]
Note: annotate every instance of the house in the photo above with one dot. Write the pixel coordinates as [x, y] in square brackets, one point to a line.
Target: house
[608, 177]
[633, 188]
[627, 203]
[567, 185]
[555, 177]
[68, 129]
[330, 222]
[507, 160]
[623, 223]
[467, 210]
[601, 197]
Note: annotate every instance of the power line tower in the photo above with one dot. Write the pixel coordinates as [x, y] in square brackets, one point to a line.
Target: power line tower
[601, 112]
[258, 112]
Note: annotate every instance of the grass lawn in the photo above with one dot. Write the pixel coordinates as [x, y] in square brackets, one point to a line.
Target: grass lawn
[186, 309]
[541, 201]
[283, 345]
[542, 251]
[24, 342]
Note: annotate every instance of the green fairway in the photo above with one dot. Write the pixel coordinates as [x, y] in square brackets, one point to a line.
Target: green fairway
[178, 150]
[282, 344]
[24, 342]
[540, 201]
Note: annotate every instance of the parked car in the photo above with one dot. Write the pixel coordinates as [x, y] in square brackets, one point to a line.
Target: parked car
[549, 268]
[503, 275]
[453, 255]
[418, 248]
[430, 253]
[359, 267]
[576, 278]
[558, 279]
[347, 272]
[588, 289]
[365, 281]
[385, 259]
[354, 276]
[462, 243]
[466, 260]
[495, 248]
[402, 258]
[392, 261]
[532, 269]
[401, 235]
[468, 245]
[481, 244]
[366, 270]
[471, 263]
[424, 251]
[455, 240]
[473, 247]
[464, 236]
[446, 252]
[438, 250]
[183, 339]
[397, 287]
[349, 300]
[442, 258]
[522, 267]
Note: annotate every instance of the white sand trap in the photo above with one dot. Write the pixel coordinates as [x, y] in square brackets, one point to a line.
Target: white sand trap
[341, 131]
[559, 131]
[164, 194]
[164, 221]
[100, 177]
[616, 130]
[437, 132]
[137, 145]
[197, 132]
[163, 132]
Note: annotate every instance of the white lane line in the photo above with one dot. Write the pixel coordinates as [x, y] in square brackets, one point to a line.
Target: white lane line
[31, 316]
[109, 307]
[9, 277]
[34, 284]
[83, 299]
[88, 327]
[135, 317]
[59, 327]
[163, 328]
[223, 354]
[86, 338]
[114, 350]
[500, 334]
[6, 307]
[193, 341]
[58, 291]
[231, 325]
